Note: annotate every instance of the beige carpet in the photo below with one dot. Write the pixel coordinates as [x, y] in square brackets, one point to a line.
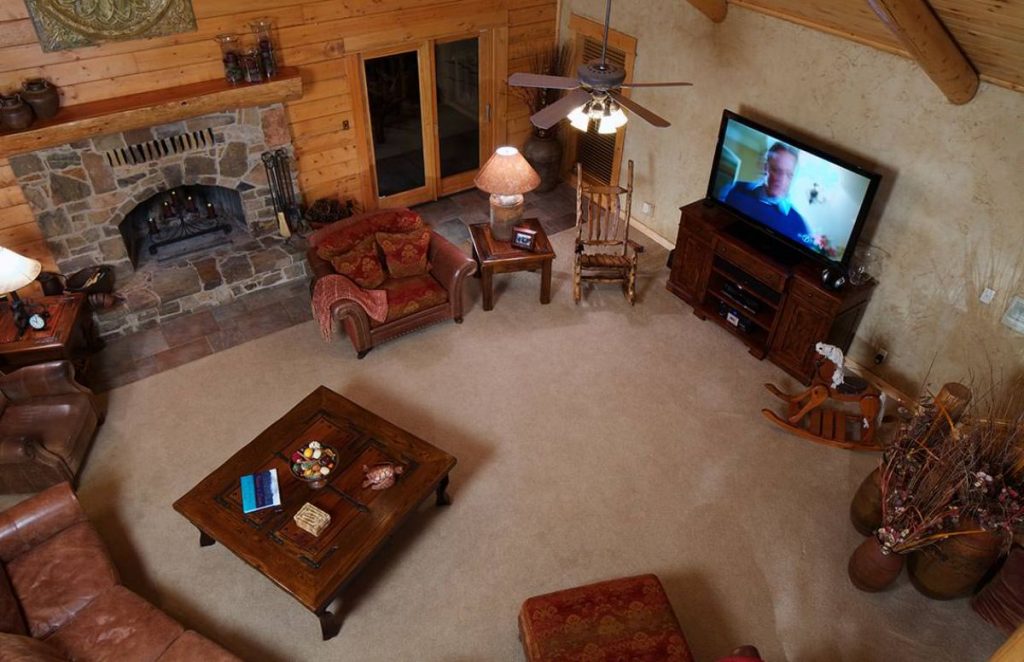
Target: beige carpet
[593, 442]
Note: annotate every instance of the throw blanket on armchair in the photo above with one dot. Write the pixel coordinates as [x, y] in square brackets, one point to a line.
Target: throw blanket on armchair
[329, 289]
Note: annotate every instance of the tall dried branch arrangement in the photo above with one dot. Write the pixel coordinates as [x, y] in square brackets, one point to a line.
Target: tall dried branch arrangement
[553, 61]
[923, 470]
[995, 439]
[944, 477]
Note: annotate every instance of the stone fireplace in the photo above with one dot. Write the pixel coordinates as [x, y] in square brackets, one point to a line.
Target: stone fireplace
[99, 201]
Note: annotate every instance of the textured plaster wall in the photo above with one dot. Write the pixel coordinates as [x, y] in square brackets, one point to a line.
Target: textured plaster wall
[950, 215]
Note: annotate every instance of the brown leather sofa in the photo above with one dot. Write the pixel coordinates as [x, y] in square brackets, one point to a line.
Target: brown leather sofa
[47, 424]
[60, 598]
[448, 266]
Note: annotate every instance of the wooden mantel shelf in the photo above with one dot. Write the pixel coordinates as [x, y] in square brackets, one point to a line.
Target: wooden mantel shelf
[136, 111]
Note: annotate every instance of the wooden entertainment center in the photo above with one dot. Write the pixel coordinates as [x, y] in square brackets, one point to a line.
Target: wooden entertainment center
[779, 309]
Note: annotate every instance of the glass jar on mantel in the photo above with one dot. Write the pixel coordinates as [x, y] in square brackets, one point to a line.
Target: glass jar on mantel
[231, 57]
[263, 28]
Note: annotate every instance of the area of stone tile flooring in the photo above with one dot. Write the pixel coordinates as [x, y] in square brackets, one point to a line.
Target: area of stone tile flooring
[190, 337]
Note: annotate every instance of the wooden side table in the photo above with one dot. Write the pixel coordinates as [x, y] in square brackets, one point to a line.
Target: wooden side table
[68, 334]
[500, 257]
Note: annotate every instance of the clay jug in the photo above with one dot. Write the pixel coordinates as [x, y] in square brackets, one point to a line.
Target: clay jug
[14, 113]
[952, 568]
[872, 571]
[43, 97]
[866, 507]
[544, 154]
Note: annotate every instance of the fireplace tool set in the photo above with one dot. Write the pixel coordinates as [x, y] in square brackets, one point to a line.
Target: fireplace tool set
[279, 174]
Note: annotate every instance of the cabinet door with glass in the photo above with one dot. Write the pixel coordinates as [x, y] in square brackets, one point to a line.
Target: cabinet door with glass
[427, 117]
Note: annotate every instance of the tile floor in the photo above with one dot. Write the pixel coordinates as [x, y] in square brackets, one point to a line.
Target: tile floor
[135, 356]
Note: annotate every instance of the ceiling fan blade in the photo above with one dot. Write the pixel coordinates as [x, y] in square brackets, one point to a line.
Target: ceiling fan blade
[672, 84]
[541, 80]
[553, 114]
[640, 110]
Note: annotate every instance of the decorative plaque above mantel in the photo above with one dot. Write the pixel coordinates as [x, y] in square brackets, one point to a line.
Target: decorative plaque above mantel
[64, 24]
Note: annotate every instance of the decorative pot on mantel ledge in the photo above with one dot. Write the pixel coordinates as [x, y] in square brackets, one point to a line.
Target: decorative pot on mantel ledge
[42, 96]
[15, 114]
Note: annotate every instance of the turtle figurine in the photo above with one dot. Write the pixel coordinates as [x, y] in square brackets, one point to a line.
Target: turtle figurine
[381, 476]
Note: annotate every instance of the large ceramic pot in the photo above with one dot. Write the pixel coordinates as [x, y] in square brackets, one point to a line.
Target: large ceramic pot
[872, 570]
[15, 114]
[866, 507]
[544, 154]
[43, 97]
[952, 568]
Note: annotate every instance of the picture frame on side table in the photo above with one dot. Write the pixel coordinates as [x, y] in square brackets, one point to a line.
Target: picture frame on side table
[524, 238]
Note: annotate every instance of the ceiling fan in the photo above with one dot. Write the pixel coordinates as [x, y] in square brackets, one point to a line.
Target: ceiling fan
[595, 93]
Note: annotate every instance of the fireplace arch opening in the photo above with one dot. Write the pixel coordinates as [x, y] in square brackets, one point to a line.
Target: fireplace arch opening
[182, 221]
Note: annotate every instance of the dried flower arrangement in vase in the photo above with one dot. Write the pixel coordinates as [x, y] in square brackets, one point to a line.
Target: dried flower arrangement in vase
[950, 496]
[542, 149]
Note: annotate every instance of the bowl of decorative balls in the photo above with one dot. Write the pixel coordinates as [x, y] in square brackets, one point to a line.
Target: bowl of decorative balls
[313, 463]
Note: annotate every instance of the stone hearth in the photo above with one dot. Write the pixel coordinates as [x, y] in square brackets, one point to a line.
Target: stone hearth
[82, 192]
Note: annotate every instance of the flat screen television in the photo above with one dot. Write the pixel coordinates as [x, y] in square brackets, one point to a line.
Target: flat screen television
[803, 197]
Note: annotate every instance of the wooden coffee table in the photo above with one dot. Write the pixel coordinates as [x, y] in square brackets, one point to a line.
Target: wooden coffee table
[500, 257]
[314, 570]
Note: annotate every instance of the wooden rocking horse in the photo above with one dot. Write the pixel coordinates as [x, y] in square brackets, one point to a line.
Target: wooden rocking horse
[810, 415]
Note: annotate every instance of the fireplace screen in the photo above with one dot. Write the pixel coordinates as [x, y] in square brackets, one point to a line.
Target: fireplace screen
[181, 221]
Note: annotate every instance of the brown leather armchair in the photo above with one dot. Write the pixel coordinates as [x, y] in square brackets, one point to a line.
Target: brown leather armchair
[47, 424]
[449, 267]
[61, 599]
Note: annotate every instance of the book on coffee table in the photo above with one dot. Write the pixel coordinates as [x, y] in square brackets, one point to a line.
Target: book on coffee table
[260, 490]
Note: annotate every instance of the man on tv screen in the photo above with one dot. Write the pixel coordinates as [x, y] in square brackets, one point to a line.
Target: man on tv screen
[767, 199]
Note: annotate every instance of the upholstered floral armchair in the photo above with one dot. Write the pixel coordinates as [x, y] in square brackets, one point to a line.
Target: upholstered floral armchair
[399, 276]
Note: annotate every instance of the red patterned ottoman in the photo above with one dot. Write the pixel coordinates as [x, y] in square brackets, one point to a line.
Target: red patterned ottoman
[628, 619]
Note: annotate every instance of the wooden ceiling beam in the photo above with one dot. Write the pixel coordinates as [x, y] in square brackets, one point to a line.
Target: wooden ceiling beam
[922, 33]
[713, 9]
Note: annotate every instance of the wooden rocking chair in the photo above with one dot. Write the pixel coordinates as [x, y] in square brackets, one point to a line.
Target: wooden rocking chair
[604, 251]
[810, 416]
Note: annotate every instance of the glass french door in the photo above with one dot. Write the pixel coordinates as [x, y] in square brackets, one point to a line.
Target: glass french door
[395, 89]
[460, 112]
[427, 115]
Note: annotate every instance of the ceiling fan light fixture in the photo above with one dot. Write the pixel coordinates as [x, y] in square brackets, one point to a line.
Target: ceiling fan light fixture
[580, 118]
[619, 118]
[611, 122]
[612, 117]
[598, 83]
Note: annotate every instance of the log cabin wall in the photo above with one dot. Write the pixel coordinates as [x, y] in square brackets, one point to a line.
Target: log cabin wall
[314, 35]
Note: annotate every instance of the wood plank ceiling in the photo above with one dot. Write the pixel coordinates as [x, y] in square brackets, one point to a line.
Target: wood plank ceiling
[989, 32]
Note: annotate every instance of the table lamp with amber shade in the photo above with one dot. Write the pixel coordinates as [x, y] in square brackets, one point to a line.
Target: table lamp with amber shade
[506, 176]
[17, 271]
